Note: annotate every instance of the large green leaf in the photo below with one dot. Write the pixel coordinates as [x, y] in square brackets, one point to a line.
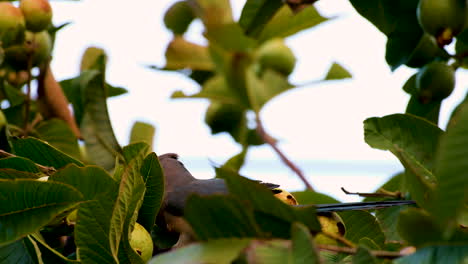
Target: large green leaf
[101, 145]
[154, 182]
[28, 205]
[286, 23]
[363, 256]
[268, 251]
[312, 197]
[19, 163]
[12, 174]
[49, 254]
[57, 133]
[362, 226]
[42, 153]
[451, 169]
[417, 227]
[303, 247]
[144, 132]
[230, 37]
[182, 54]
[21, 251]
[220, 251]
[437, 255]
[413, 141]
[256, 14]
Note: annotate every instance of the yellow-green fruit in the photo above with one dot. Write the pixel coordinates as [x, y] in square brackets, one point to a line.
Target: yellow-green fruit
[274, 54]
[178, 17]
[285, 196]
[443, 19]
[3, 120]
[37, 13]
[90, 57]
[37, 45]
[435, 82]
[12, 24]
[332, 224]
[141, 242]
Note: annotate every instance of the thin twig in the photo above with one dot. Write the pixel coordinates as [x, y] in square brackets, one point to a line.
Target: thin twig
[272, 142]
[380, 193]
[338, 238]
[44, 169]
[348, 250]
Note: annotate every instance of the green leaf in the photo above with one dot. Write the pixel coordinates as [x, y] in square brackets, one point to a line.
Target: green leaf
[114, 91]
[236, 162]
[268, 251]
[217, 216]
[11, 174]
[101, 145]
[142, 131]
[181, 54]
[361, 225]
[220, 251]
[42, 153]
[303, 246]
[413, 141]
[286, 23]
[14, 96]
[437, 254]
[461, 46]
[154, 182]
[256, 14]
[20, 251]
[451, 196]
[28, 205]
[57, 133]
[418, 229]
[363, 256]
[230, 37]
[337, 72]
[19, 163]
[312, 197]
[49, 254]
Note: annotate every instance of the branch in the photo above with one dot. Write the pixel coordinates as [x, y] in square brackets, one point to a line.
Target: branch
[376, 253]
[44, 169]
[381, 193]
[272, 142]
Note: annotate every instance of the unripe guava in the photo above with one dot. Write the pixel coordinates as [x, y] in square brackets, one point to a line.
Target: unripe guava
[435, 82]
[285, 196]
[442, 19]
[223, 117]
[332, 224]
[17, 79]
[12, 24]
[37, 13]
[141, 242]
[178, 17]
[274, 54]
[37, 45]
[90, 56]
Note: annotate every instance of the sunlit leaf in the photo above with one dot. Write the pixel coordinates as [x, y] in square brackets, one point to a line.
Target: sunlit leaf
[337, 72]
[57, 133]
[361, 224]
[181, 54]
[256, 14]
[144, 132]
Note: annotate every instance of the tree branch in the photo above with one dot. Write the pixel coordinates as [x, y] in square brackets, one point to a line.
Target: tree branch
[44, 169]
[376, 253]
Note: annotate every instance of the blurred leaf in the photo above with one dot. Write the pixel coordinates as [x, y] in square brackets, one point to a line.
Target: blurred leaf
[42, 153]
[268, 251]
[20, 251]
[181, 54]
[413, 141]
[311, 197]
[361, 225]
[154, 182]
[451, 194]
[429, 111]
[142, 132]
[236, 162]
[220, 251]
[256, 14]
[178, 17]
[214, 217]
[337, 72]
[286, 23]
[11, 174]
[230, 37]
[13, 95]
[19, 163]
[115, 91]
[213, 12]
[57, 133]
[101, 145]
[303, 246]
[461, 46]
[417, 227]
[363, 256]
[28, 205]
[437, 254]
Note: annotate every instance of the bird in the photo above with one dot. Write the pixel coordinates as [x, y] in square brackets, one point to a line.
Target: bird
[180, 184]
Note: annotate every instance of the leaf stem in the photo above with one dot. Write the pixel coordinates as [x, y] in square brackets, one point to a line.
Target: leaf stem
[273, 143]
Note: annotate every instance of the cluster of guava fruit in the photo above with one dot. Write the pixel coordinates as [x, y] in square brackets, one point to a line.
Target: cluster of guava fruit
[24, 40]
[441, 22]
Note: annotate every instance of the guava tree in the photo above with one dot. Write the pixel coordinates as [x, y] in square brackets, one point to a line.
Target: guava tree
[70, 193]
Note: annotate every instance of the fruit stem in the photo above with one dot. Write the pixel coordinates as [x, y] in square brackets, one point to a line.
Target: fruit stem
[273, 143]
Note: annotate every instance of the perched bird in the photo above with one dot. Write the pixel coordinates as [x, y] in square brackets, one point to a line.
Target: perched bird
[180, 184]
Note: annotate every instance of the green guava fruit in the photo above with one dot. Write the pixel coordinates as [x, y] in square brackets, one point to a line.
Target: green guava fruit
[442, 19]
[274, 54]
[435, 82]
[141, 242]
[12, 24]
[178, 17]
[17, 79]
[90, 57]
[37, 45]
[37, 13]
[332, 224]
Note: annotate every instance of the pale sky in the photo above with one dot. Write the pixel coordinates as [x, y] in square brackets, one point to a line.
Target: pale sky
[318, 122]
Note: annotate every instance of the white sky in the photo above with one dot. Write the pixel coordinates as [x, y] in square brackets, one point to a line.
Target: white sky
[321, 122]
